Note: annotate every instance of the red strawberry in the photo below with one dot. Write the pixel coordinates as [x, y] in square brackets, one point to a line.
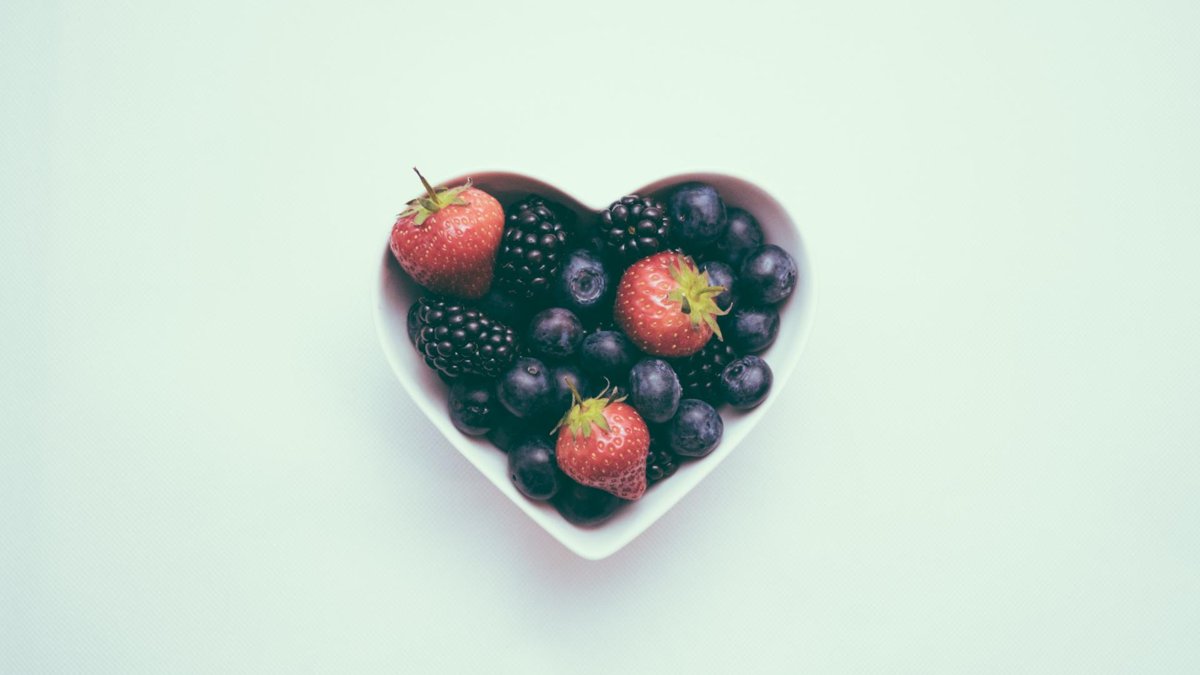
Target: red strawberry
[603, 443]
[666, 305]
[447, 240]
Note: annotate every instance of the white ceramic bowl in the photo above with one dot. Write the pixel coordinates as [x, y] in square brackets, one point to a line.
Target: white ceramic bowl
[395, 293]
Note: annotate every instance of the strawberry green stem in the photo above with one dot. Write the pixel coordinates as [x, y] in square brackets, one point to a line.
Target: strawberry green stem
[434, 200]
[428, 188]
[696, 297]
[585, 413]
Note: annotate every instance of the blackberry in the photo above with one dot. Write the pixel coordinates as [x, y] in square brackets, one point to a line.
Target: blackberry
[634, 227]
[661, 463]
[457, 339]
[700, 372]
[530, 250]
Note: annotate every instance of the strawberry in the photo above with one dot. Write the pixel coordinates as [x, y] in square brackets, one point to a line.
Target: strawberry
[666, 305]
[447, 240]
[603, 443]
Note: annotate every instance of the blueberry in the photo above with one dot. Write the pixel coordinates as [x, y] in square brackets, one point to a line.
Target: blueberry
[696, 429]
[720, 274]
[743, 236]
[413, 322]
[473, 406]
[768, 275]
[555, 333]
[525, 388]
[654, 390]
[584, 285]
[745, 382]
[562, 376]
[697, 215]
[504, 308]
[533, 469]
[607, 353]
[583, 505]
[508, 430]
[752, 329]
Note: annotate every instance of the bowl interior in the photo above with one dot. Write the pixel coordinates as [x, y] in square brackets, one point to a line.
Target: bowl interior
[395, 293]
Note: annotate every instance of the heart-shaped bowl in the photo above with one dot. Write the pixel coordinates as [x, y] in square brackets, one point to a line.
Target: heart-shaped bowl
[395, 292]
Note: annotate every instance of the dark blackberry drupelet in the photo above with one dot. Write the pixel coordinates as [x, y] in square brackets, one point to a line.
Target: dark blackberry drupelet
[531, 249]
[700, 372]
[661, 463]
[633, 228]
[457, 339]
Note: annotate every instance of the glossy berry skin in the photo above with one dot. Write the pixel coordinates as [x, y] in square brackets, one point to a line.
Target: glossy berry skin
[665, 305]
[451, 250]
[661, 463]
[555, 333]
[583, 505]
[696, 429]
[504, 307]
[697, 216]
[741, 238]
[531, 249]
[607, 354]
[525, 389]
[654, 390]
[603, 444]
[752, 329]
[565, 376]
[508, 430]
[768, 276]
[699, 372]
[414, 323]
[533, 469]
[456, 339]
[745, 382]
[720, 274]
[473, 406]
[633, 227]
[584, 285]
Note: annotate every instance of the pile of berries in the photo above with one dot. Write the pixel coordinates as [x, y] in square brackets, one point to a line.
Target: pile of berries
[594, 349]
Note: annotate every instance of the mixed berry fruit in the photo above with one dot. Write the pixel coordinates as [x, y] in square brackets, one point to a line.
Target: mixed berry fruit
[595, 349]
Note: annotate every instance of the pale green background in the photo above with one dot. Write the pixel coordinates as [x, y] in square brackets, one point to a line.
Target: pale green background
[987, 461]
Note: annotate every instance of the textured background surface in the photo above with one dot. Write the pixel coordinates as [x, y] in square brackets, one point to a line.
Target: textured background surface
[989, 457]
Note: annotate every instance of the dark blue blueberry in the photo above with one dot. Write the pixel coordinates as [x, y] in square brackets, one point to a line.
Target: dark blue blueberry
[696, 429]
[607, 353]
[566, 376]
[584, 285]
[654, 390]
[743, 236]
[768, 276]
[414, 322]
[583, 505]
[533, 469]
[720, 274]
[508, 430]
[745, 382]
[525, 388]
[751, 329]
[697, 216]
[555, 333]
[473, 406]
[504, 308]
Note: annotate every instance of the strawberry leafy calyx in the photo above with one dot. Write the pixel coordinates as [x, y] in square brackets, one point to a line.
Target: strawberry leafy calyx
[433, 200]
[696, 296]
[585, 413]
